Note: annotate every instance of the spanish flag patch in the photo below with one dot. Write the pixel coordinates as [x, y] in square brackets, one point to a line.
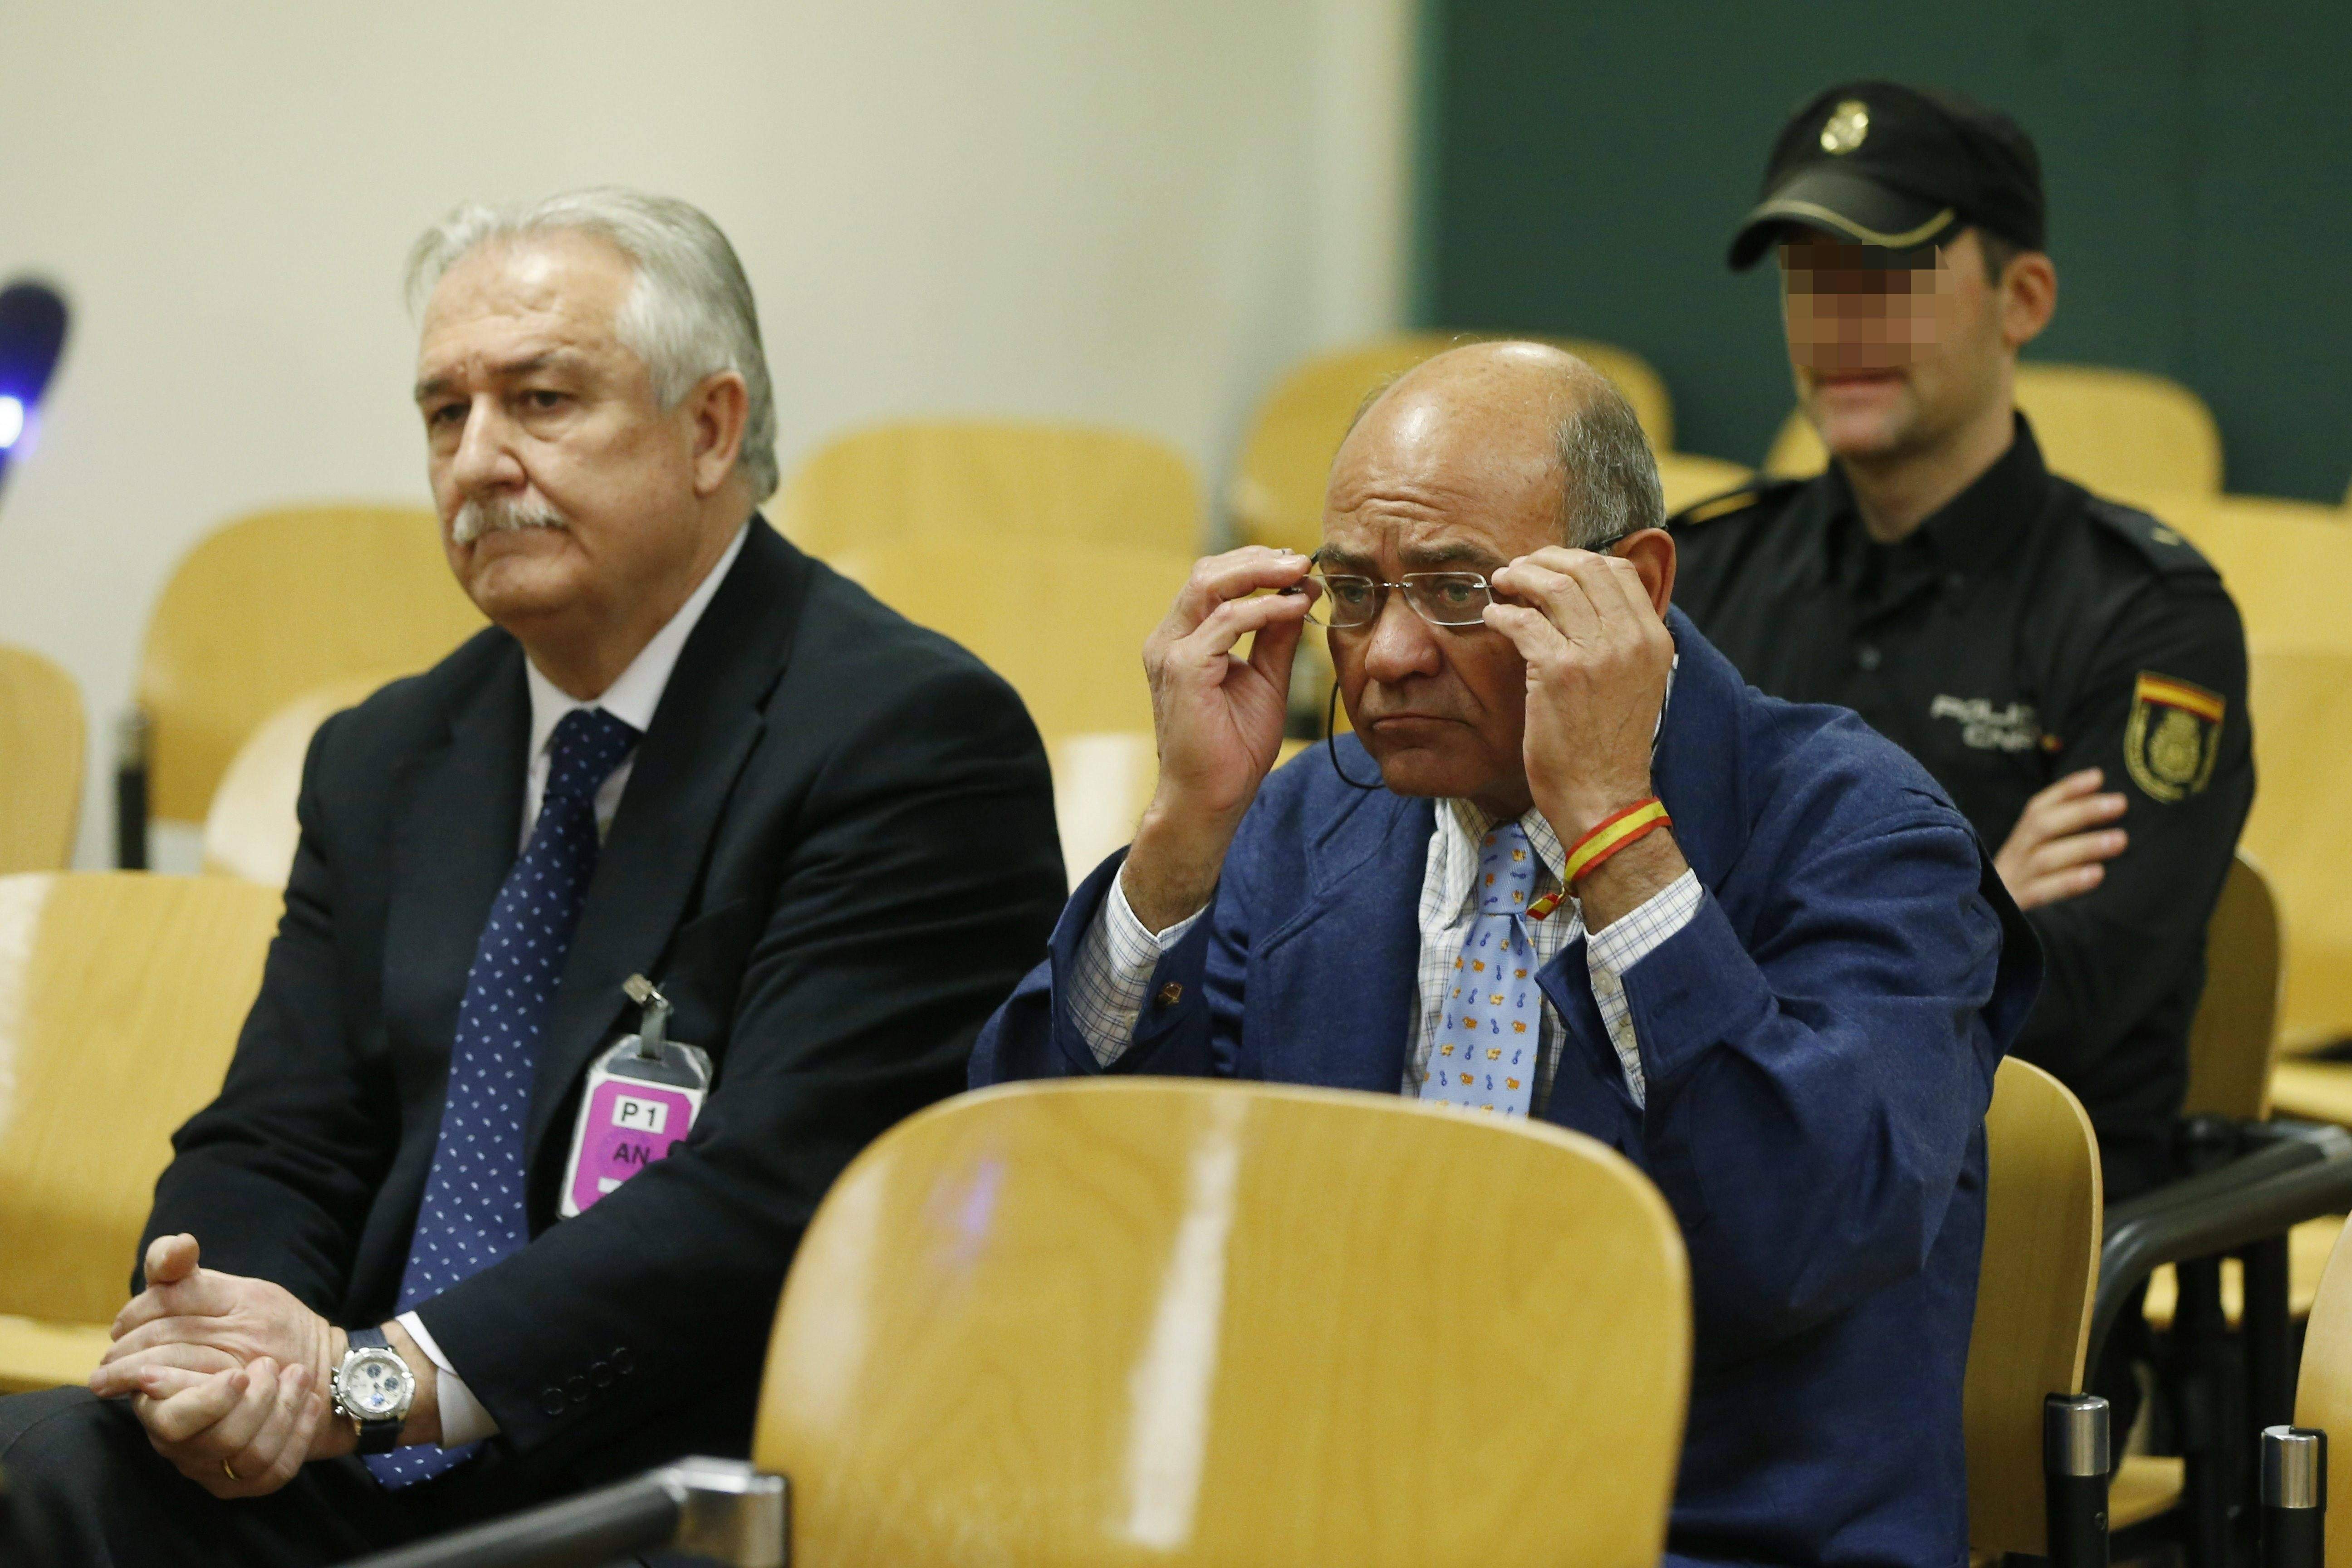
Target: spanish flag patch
[2173, 737]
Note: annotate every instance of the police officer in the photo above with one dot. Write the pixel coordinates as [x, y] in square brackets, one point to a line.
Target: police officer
[2069, 668]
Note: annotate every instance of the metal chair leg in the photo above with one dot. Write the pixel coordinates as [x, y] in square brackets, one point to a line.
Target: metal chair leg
[2210, 1484]
[131, 791]
[2076, 1461]
[2295, 1498]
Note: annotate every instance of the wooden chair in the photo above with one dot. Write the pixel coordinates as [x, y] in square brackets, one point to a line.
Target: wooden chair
[1102, 782]
[275, 605]
[2300, 830]
[1195, 1325]
[1687, 478]
[1190, 1323]
[1276, 497]
[120, 999]
[2121, 432]
[979, 486]
[2033, 1300]
[2232, 1054]
[41, 743]
[2323, 1393]
[2233, 1042]
[1065, 626]
[2285, 562]
[250, 829]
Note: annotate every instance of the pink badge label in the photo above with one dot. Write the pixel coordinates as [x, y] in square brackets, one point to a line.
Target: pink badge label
[629, 1125]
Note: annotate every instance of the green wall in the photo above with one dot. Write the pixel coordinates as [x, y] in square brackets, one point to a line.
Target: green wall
[1582, 169]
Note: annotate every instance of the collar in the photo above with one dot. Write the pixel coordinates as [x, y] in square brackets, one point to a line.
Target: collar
[633, 697]
[1973, 532]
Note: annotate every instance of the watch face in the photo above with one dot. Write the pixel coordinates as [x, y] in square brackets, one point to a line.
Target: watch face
[375, 1385]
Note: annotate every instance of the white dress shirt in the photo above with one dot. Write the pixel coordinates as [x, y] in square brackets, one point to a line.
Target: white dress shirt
[1111, 978]
[1117, 956]
[631, 698]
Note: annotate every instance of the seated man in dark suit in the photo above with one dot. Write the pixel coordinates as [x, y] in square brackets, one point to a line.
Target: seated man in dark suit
[1569, 865]
[684, 751]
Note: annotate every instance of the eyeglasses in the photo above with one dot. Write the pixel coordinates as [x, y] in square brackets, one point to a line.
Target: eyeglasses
[1441, 598]
[1349, 601]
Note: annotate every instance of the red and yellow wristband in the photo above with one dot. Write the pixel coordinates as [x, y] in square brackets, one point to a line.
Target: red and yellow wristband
[1613, 833]
[1608, 836]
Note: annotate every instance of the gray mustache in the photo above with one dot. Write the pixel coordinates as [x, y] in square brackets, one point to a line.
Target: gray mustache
[496, 515]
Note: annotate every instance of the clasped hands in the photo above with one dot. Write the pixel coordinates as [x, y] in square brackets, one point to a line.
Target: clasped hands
[1597, 655]
[229, 1375]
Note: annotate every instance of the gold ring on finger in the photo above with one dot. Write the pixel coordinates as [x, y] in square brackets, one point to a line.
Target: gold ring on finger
[231, 1473]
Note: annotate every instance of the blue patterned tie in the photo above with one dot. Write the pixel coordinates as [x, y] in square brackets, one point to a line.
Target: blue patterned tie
[472, 1214]
[1484, 1057]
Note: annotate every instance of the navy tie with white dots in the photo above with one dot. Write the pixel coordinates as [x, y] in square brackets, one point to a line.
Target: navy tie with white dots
[473, 1210]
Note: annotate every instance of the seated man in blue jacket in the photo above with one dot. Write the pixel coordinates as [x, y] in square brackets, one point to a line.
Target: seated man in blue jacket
[1569, 865]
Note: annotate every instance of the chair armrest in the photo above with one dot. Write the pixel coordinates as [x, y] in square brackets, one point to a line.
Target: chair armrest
[2298, 1179]
[720, 1509]
[2277, 1147]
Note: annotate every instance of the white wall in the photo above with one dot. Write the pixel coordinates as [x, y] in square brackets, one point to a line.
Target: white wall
[1129, 211]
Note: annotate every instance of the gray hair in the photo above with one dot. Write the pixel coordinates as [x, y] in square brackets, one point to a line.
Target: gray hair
[690, 314]
[1605, 461]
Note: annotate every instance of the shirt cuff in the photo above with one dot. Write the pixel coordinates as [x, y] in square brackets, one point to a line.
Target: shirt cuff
[1112, 974]
[463, 1419]
[1630, 938]
[1131, 942]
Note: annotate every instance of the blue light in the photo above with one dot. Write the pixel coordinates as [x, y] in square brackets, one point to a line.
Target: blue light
[12, 421]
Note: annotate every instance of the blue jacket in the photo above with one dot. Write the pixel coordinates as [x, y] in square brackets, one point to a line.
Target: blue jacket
[1819, 1045]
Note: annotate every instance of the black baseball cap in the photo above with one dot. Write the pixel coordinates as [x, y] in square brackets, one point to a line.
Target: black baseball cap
[1896, 166]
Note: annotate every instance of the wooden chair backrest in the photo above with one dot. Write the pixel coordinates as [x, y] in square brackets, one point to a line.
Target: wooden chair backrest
[2121, 432]
[1155, 1321]
[1064, 627]
[1102, 782]
[120, 998]
[274, 605]
[250, 829]
[2300, 832]
[2285, 562]
[1686, 478]
[2233, 1040]
[1277, 492]
[2322, 1390]
[41, 748]
[990, 484]
[2034, 1297]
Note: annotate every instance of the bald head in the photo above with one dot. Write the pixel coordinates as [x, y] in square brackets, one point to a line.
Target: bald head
[1509, 428]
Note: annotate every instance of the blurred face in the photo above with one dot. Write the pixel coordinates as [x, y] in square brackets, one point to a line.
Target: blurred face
[563, 486]
[1429, 482]
[1893, 350]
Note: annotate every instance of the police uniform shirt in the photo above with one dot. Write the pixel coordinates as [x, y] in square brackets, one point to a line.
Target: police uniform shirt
[2027, 630]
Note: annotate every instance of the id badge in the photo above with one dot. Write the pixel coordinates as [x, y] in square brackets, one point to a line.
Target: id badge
[641, 1100]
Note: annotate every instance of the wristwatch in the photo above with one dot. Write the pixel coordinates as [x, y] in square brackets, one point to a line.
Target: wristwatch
[374, 1389]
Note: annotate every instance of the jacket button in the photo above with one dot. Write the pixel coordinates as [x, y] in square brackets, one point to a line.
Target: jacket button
[1866, 656]
[551, 1401]
[601, 1374]
[578, 1389]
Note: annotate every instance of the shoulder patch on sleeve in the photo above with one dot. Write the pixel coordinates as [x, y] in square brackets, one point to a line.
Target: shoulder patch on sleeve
[2173, 737]
[2165, 549]
[1754, 496]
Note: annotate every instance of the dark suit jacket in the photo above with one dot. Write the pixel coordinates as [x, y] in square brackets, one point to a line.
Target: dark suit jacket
[836, 853]
[1818, 1046]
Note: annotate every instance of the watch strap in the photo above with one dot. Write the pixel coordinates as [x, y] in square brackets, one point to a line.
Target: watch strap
[379, 1435]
